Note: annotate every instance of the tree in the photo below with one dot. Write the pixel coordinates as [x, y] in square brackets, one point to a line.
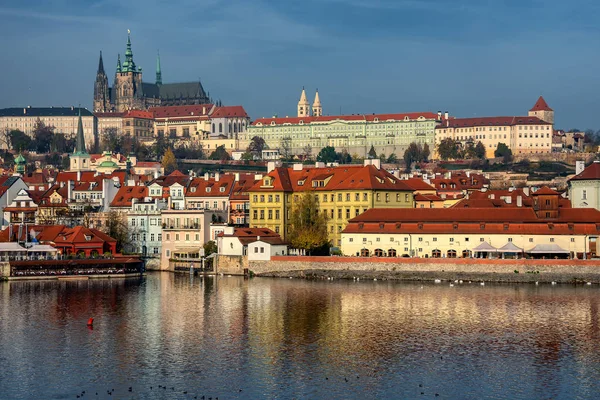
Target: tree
[256, 146]
[480, 150]
[411, 155]
[19, 140]
[117, 228]
[447, 149]
[247, 157]
[327, 154]
[425, 153]
[112, 140]
[160, 146]
[308, 228]
[210, 247]
[220, 154]
[169, 162]
[42, 136]
[392, 159]
[503, 151]
[285, 148]
[372, 153]
[307, 152]
[61, 144]
[343, 157]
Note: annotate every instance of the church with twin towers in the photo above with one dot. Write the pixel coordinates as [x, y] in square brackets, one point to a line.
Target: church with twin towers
[304, 109]
[130, 92]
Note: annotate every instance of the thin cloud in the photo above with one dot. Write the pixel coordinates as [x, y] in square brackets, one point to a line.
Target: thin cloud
[56, 17]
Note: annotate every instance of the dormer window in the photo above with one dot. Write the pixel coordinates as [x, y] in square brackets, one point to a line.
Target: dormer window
[193, 190]
[222, 189]
[301, 183]
[208, 190]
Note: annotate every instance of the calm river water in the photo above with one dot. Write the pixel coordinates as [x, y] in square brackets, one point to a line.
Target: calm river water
[232, 338]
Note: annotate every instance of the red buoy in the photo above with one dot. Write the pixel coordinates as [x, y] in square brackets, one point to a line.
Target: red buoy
[90, 321]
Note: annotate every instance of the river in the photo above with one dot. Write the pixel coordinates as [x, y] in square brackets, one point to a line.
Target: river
[265, 338]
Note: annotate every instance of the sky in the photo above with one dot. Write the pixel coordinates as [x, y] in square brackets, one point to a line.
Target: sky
[468, 57]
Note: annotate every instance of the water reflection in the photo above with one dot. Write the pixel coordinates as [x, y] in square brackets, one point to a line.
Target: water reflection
[297, 339]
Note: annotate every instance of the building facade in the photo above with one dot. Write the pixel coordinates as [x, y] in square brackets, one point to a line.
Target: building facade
[342, 193]
[129, 92]
[584, 188]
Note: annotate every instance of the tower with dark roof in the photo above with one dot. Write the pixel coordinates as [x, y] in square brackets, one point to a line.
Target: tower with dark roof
[541, 110]
[101, 91]
[80, 159]
[158, 72]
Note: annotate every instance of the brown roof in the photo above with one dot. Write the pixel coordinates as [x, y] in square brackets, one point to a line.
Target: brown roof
[174, 177]
[491, 121]
[348, 177]
[127, 193]
[138, 114]
[189, 111]
[418, 184]
[544, 191]
[229, 111]
[44, 233]
[250, 235]
[541, 105]
[592, 172]
[199, 187]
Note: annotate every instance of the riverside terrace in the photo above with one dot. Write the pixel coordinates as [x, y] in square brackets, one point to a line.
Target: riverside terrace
[54, 269]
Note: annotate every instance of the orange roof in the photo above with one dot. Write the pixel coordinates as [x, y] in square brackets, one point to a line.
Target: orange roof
[592, 172]
[347, 177]
[127, 193]
[199, 187]
[249, 235]
[228, 112]
[418, 184]
[545, 191]
[138, 114]
[328, 118]
[174, 177]
[541, 105]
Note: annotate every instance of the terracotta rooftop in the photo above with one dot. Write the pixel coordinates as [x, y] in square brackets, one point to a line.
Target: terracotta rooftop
[491, 121]
[127, 193]
[592, 172]
[229, 111]
[187, 111]
[541, 105]
[357, 118]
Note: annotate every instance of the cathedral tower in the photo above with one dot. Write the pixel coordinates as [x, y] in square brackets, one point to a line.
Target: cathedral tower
[303, 105]
[158, 72]
[80, 159]
[128, 83]
[317, 109]
[101, 91]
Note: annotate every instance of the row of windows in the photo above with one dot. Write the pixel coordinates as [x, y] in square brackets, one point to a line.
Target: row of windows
[143, 236]
[269, 214]
[176, 237]
[435, 239]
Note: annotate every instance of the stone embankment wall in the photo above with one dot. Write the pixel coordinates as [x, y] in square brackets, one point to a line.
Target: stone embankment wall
[4, 270]
[431, 269]
[231, 265]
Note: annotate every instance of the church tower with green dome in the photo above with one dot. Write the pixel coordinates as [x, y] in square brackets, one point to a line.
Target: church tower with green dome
[80, 159]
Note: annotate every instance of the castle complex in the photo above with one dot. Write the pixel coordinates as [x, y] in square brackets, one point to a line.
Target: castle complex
[129, 92]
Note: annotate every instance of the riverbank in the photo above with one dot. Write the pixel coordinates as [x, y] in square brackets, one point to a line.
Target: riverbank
[508, 271]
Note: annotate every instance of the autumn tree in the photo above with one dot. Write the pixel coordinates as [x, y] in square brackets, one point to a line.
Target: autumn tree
[308, 227]
[256, 146]
[220, 154]
[117, 228]
[447, 149]
[169, 163]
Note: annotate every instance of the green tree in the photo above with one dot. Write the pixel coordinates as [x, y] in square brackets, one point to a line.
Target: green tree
[327, 154]
[308, 226]
[343, 157]
[480, 150]
[256, 146]
[392, 159]
[447, 149]
[210, 247]
[112, 140]
[169, 162]
[411, 155]
[220, 154]
[372, 153]
[247, 157]
[161, 144]
[503, 151]
[42, 136]
[19, 140]
[425, 153]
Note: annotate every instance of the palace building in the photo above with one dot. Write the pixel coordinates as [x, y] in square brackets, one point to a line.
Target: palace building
[130, 92]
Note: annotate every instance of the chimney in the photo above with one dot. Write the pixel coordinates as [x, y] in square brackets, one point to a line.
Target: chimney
[258, 177]
[155, 174]
[439, 115]
[508, 200]
[579, 167]
[69, 190]
[271, 165]
[257, 238]
[297, 167]
[446, 115]
[319, 164]
[78, 176]
[203, 110]
[526, 191]
[206, 176]
[24, 111]
[492, 196]
[217, 177]
[237, 177]
[519, 201]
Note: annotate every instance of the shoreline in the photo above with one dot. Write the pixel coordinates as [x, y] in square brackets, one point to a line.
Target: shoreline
[432, 276]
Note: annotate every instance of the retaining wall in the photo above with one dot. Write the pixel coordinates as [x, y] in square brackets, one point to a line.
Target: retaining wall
[231, 265]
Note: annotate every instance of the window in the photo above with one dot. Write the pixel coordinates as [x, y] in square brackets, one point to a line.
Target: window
[276, 214]
[159, 237]
[347, 213]
[256, 249]
[187, 237]
[270, 214]
[339, 197]
[270, 198]
[365, 196]
[351, 240]
[262, 214]
[572, 240]
[552, 240]
[339, 213]
[347, 196]
[277, 198]
[168, 253]
[420, 239]
[481, 239]
[262, 249]
[451, 240]
[168, 236]
[435, 239]
[530, 240]
[255, 214]
[584, 195]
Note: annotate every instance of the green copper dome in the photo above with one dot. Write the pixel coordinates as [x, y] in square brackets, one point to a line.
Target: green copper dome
[108, 164]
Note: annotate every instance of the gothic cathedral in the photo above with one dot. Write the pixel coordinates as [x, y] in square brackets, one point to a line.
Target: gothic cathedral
[129, 92]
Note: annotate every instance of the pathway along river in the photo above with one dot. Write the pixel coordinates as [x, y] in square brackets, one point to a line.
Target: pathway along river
[232, 338]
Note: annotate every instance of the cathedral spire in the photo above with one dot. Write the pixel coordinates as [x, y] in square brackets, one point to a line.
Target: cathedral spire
[158, 72]
[80, 144]
[303, 105]
[101, 65]
[118, 62]
[129, 65]
[317, 109]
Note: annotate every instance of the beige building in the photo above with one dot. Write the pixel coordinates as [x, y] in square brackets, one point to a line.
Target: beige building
[544, 230]
[107, 121]
[523, 135]
[62, 119]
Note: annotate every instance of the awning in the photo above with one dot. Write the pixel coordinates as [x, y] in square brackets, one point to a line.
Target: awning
[42, 248]
[11, 246]
[548, 249]
[510, 248]
[485, 247]
[187, 250]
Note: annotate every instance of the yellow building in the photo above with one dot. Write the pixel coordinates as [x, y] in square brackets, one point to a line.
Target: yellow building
[342, 193]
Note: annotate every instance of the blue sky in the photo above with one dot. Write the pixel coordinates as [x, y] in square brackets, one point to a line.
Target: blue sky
[470, 57]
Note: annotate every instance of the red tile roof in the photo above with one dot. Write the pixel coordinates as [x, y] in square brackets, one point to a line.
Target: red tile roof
[544, 191]
[362, 118]
[592, 172]
[348, 177]
[138, 114]
[127, 193]
[199, 187]
[418, 184]
[109, 114]
[491, 121]
[148, 164]
[174, 177]
[188, 111]
[229, 111]
[428, 197]
[43, 233]
[541, 105]
[241, 187]
[250, 235]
